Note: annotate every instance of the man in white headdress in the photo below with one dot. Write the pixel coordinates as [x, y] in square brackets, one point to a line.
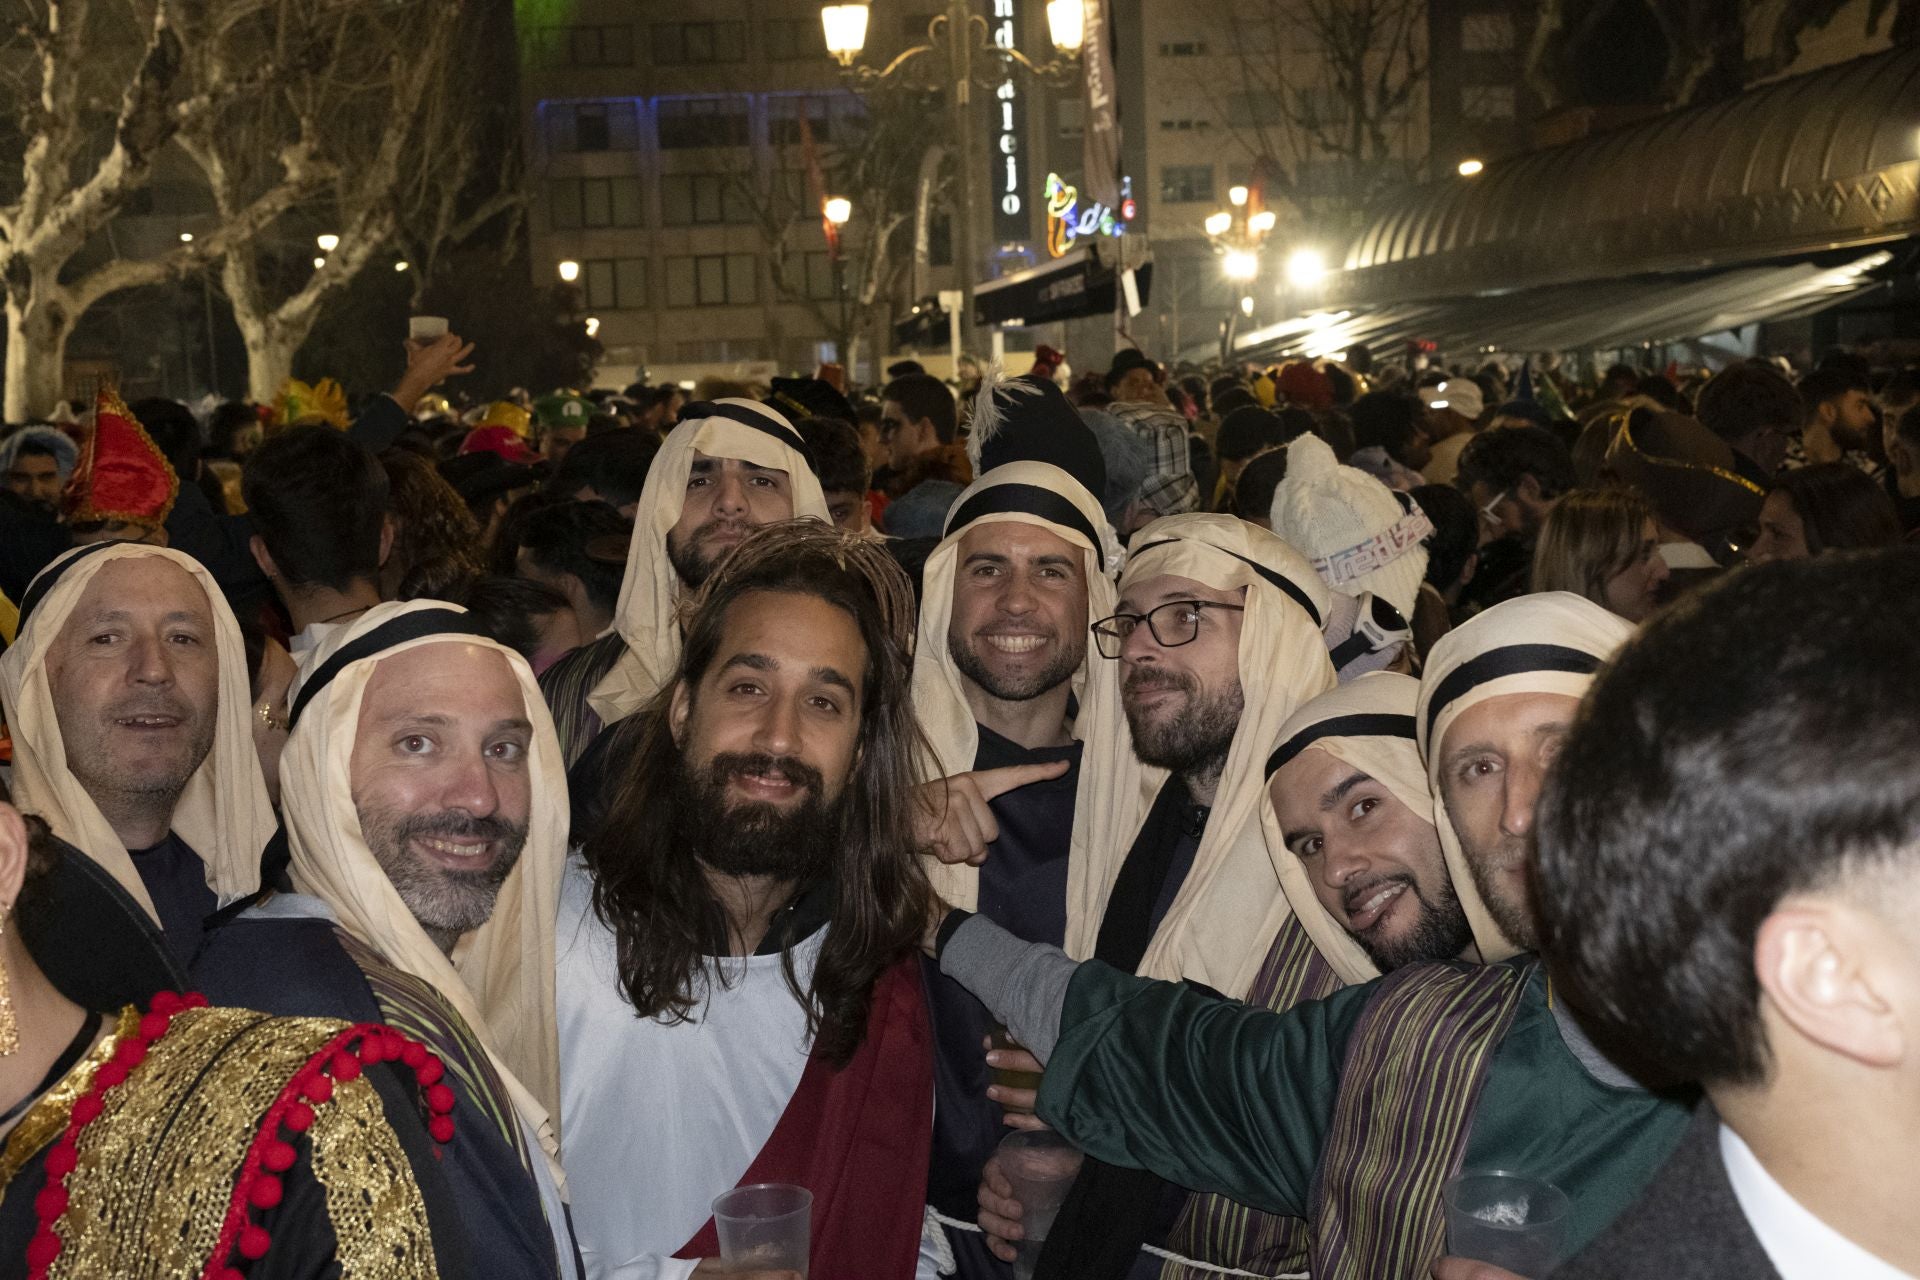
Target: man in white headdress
[126, 693]
[1353, 1110]
[727, 467]
[426, 821]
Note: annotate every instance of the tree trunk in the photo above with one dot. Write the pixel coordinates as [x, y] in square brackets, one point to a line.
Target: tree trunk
[270, 355]
[36, 357]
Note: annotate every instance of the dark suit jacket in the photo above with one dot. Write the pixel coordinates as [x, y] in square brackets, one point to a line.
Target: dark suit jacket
[1686, 1225]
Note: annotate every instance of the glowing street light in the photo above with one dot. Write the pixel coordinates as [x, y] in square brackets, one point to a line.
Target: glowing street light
[593, 326]
[1470, 167]
[328, 242]
[1262, 222]
[319, 263]
[1218, 223]
[1241, 265]
[837, 209]
[1305, 268]
[186, 237]
[569, 271]
[401, 265]
[845, 26]
[1246, 305]
[1067, 25]
[1236, 196]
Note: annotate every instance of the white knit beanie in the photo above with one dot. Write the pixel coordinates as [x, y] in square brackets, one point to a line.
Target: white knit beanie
[1361, 536]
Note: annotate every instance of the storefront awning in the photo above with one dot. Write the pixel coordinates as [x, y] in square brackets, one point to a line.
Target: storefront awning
[1592, 315]
[1083, 282]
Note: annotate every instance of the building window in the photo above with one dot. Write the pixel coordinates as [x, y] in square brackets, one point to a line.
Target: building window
[1487, 102]
[599, 46]
[702, 200]
[1186, 183]
[810, 275]
[576, 203]
[593, 126]
[1486, 33]
[1184, 49]
[1070, 119]
[793, 39]
[1185, 126]
[712, 280]
[830, 118]
[614, 284]
[702, 122]
[699, 44]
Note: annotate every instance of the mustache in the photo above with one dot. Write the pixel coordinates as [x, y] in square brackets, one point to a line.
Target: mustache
[712, 527]
[459, 826]
[151, 704]
[1151, 680]
[1356, 896]
[738, 763]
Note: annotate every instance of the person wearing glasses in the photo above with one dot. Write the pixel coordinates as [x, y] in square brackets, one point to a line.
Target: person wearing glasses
[1514, 475]
[1216, 640]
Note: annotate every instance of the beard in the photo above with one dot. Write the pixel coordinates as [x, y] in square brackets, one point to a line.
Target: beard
[1023, 687]
[734, 837]
[1439, 932]
[446, 899]
[1193, 741]
[694, 560]
[1495, 872]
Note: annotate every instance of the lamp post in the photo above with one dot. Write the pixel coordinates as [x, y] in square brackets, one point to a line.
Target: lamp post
[1237, 234]
[837, 211]
[960, 34]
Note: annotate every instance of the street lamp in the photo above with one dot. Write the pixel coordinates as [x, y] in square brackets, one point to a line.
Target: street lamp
[1305, 268]
[328, 242]
[1468, 168]
[973, 56]
[1262, 222]
[593, 326]
[1241, 264]
[569, 271]
[837, 210]
[319, 263]
[1218, 224]
[401, 265]
[186, 237]
[1237, 196]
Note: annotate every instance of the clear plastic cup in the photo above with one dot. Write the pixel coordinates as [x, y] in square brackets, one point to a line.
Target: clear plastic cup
[767, 1226]
[1041, 1165]
[1507, 1219]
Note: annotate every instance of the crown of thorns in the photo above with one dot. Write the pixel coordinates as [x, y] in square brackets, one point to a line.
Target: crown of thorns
[794, 547]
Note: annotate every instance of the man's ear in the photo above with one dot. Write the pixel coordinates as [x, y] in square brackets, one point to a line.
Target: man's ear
[264, 558]
[678, 712]
[1823, 966]
[1528, 490]
[386, 538]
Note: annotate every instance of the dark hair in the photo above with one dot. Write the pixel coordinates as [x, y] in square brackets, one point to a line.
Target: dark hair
[1500, 457]
[1388, 419]
[555, 538]
[613, 464]
[661, 908]
[35, 448]
[837, 454]
[1336, 428]
[1455, 536]
[435, 538]
[1246, 431]
[1253, 491]
[1748, 397]
[509, 610]
[1840, 508]
[1756, 741]
[318, 500]
[228, 420]
[1658, 388]
[921, 395]
[175, 430]
[503, 557]
[1827, 384]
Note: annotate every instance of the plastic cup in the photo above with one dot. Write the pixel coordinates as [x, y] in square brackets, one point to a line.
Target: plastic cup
[767, 1226]
[426, 328]
[1041, 1165]
[1506, 1219]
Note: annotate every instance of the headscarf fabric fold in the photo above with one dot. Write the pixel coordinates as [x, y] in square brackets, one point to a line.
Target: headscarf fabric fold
[1368, 724]
[500, 977]
[1016, 492]
[223, 814]
[1230, 906]
[1552, 642]
[646, 616]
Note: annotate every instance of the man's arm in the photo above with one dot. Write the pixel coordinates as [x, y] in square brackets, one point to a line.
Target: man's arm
[428, 365]
[1207, 1092]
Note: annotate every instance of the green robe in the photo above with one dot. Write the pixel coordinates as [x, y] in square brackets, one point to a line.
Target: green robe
[1217, 1096]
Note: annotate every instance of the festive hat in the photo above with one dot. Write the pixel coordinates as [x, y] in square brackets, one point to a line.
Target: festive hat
[505, 413]
[122, 476]
[563, 409]
[1029, 420]
[1687, 474]
[299, 405]
[499, 440]
[1302, 384]
[1462, 395]
[1362, 537]
[808, 398]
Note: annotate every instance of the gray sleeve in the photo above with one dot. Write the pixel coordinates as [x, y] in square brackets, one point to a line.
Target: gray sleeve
[1024, 984]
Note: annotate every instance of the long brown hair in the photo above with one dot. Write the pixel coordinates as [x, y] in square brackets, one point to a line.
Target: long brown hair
[1591, 537]
[654, 895]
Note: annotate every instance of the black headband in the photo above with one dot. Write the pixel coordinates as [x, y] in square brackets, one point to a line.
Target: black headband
[758, 421]
[408, 626]
[1032, 500]
[1512, 660]
[1368, 724]
[1279, 580]
[50, 577]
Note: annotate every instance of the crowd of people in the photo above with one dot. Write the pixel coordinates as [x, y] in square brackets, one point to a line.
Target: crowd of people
[470, 842]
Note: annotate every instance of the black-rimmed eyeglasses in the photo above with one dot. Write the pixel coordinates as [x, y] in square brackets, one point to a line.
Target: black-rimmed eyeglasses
[1172, 624]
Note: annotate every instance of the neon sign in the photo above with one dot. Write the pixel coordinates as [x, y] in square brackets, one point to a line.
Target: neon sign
[1009, 214]
[1068, 222]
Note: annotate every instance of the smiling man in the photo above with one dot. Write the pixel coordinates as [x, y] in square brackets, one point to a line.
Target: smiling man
[739, 997]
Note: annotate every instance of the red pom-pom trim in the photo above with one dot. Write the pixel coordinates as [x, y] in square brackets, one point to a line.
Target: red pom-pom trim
[440, 1099]
[345, 1067]
[441, 1127]
[254, 1243]
[430, 1071]
[265, 1192]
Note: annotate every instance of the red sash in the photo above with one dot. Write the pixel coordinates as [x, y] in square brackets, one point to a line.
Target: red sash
[860, 1139]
